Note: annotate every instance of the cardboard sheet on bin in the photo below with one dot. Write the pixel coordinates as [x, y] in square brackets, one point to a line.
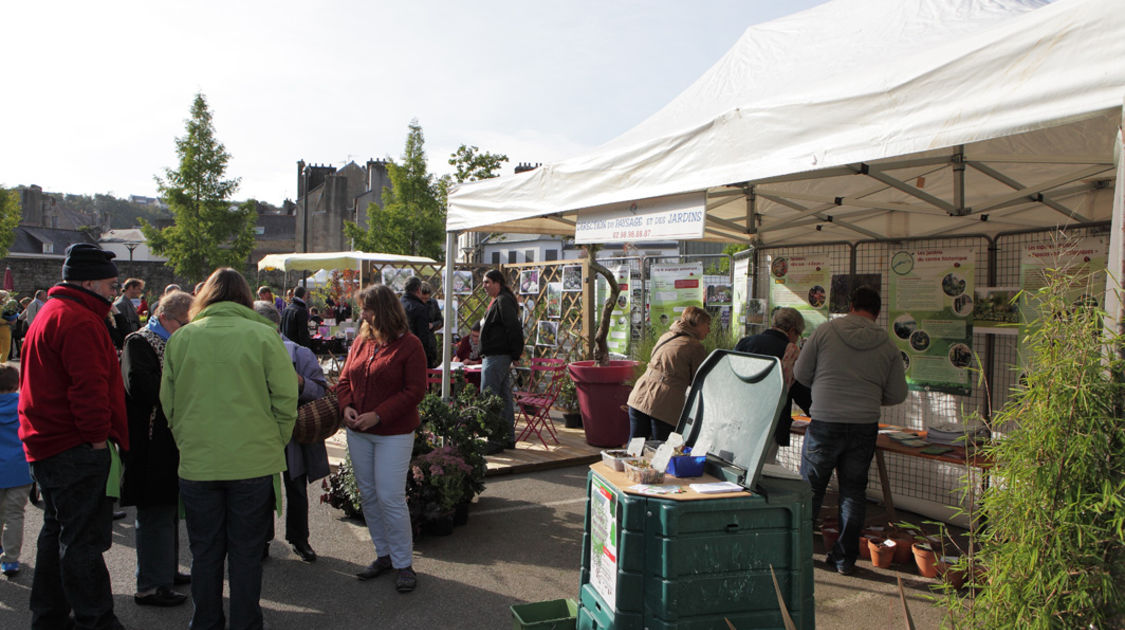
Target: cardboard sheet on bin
[621, 481]
[733, 407]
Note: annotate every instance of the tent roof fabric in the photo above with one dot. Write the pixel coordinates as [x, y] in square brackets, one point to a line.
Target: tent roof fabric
[863, 119]
[333, 260]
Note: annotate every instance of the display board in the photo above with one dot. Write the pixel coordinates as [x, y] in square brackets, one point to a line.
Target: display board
[801, 282]
[603, 539]
[929, 311]
[674, 288]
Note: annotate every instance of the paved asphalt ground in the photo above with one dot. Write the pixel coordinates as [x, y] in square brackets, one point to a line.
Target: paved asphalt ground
[522, 544]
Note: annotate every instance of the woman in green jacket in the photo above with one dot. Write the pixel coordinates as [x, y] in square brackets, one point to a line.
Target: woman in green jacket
[230, 395]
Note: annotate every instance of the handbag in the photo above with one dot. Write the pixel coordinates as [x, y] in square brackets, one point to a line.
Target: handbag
[317, 420]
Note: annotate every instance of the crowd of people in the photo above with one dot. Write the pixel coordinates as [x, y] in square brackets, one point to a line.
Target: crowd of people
[194, 402]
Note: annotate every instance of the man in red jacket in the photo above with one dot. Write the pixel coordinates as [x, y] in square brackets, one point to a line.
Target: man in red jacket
[72, 401]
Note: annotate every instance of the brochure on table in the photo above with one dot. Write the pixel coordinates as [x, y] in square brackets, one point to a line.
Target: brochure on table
[929, 309]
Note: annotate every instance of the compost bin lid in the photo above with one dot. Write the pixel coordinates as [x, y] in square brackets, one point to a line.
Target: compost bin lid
[733, 407]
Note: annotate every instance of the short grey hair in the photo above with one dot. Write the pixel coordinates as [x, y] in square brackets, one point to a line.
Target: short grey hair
[788, 318]
[268, 310]
[175, 305]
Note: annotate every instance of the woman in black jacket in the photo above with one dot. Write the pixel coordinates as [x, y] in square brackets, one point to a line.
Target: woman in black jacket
[501, 343]
[151, 479]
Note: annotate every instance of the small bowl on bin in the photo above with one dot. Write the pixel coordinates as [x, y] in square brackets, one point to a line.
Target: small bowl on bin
[641, 471]
[615, 459]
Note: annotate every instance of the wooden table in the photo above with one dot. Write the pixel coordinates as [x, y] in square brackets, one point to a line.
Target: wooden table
[886, 444]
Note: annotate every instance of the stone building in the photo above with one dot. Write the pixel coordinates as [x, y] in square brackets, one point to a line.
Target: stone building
[333, 196]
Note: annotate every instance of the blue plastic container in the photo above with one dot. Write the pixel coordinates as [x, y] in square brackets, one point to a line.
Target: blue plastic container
[686, 465]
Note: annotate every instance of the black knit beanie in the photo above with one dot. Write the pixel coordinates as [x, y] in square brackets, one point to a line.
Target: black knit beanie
[88, 262]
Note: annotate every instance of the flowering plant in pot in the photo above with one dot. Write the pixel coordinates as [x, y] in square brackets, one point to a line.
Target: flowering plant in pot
[438, 482]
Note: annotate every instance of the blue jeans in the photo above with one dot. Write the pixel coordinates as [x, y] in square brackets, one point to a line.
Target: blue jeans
[847, 449]
[158, 546]
[380, 463]
[70, 573]
[643, 425]
[227, 523]
[496, 376]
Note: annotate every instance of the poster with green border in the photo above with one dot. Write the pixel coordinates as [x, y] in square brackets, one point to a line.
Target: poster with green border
[741, 289]
[603, 539]
[619, 324]
[674, 288]
[929, 313]
[801, 282]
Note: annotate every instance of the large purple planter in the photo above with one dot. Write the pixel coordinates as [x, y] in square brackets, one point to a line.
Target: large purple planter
[602, 394]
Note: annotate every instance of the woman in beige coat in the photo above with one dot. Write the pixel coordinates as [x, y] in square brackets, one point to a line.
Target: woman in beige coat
[658, 397]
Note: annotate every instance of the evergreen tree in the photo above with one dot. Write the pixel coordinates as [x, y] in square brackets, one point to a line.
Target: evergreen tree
[208, 232]
[9, 218]
[412, 220]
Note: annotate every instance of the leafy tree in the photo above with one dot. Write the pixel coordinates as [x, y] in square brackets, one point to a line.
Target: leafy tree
[472, 165]
[208, 231]
[9, 218]
[412, 220]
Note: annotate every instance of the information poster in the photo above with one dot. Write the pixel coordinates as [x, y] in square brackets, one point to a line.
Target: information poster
[740, 294]
[620, 321]
[801, 282]
[1085, 258]
[619, 333]
[603, 540]
[674, 288]
[929, 309]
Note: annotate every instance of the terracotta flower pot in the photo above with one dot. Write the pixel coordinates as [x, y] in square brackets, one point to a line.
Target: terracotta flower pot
[952, 577]
[882, 555]
[864, 550]
[903, 543]
[926, 560]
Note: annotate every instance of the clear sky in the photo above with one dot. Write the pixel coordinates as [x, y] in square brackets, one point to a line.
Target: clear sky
[96, 92]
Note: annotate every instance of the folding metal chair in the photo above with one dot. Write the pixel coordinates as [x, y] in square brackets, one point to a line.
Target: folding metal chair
[535, 403]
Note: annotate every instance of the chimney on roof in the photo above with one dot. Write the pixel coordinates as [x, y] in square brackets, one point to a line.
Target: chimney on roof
[523, 167]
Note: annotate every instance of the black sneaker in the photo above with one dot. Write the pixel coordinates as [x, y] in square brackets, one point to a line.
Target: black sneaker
[375, 569]
[406, 581]
[163, 597]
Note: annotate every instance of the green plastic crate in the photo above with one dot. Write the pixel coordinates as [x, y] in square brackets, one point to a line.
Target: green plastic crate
[554, 614]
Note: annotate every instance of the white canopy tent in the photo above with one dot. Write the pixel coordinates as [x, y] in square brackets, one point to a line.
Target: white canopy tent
[333, 260]
[862, 119]
[865, 120]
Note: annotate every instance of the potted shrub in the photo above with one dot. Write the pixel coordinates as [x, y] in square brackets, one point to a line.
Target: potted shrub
[567, 403]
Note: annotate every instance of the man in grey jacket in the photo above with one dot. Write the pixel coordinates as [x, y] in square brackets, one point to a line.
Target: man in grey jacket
[853, 368]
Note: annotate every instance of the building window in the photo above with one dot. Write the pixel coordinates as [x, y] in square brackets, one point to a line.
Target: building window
[529, 255]
[48, 248]
[551, 254]
[259, 230]
[496, 258]
[511, 258]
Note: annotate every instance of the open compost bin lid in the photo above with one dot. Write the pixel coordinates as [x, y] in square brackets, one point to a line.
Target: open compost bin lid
[733, 407]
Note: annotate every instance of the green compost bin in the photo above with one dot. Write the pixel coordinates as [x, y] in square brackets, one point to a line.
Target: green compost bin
[555, 614]
[691, 564]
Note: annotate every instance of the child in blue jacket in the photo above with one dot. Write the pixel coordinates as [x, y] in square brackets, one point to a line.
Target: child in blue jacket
[15, 476]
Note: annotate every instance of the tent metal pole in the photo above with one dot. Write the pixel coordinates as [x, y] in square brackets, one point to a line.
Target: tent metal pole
[447, 327]
[959, 180]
